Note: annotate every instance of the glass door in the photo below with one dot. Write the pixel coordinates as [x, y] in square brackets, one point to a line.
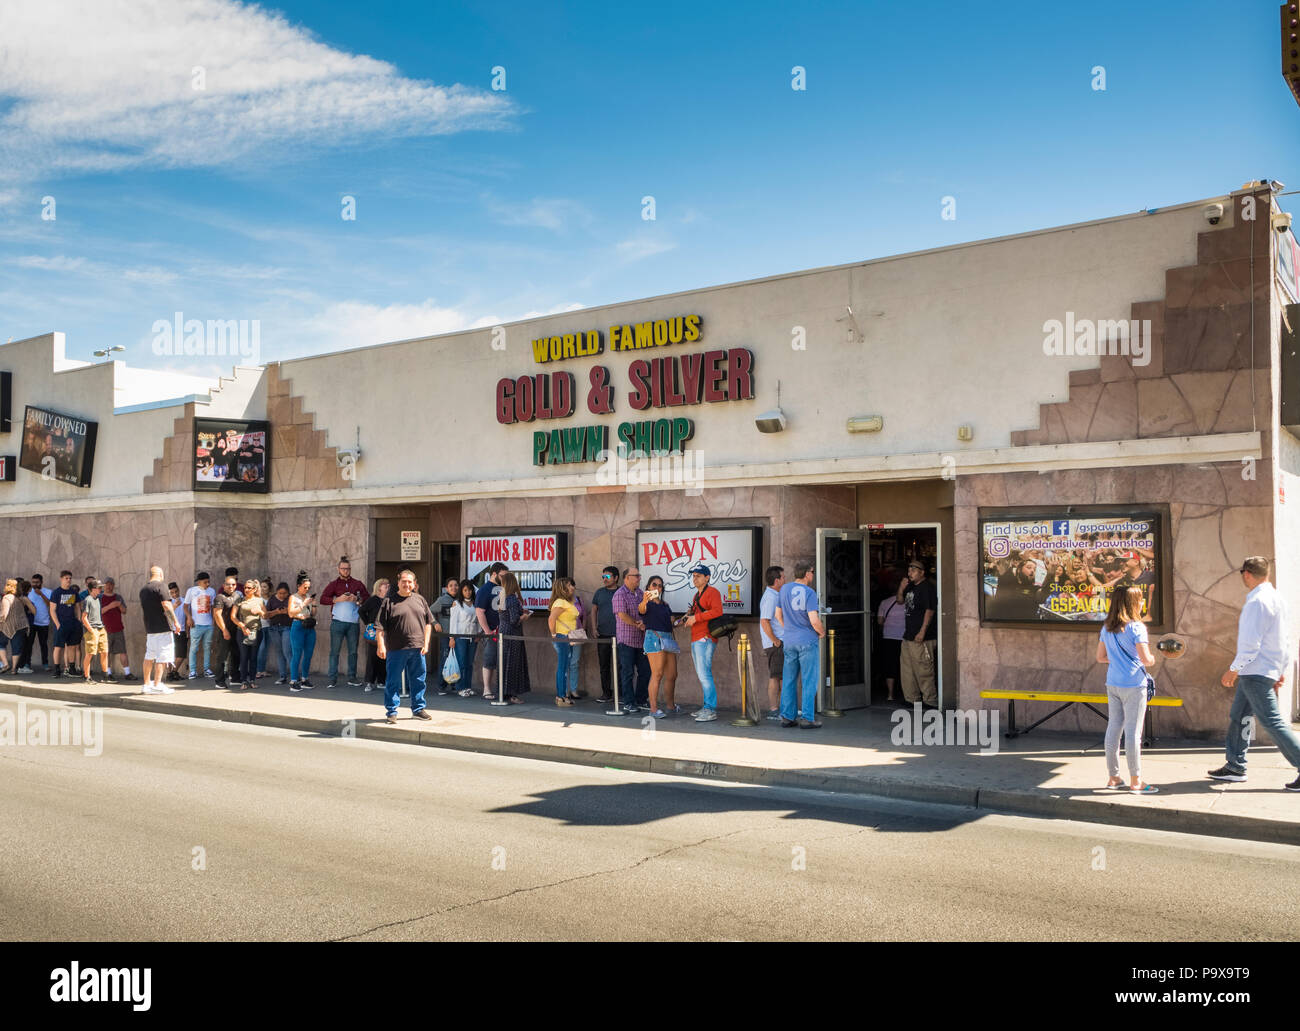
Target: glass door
[841, 584]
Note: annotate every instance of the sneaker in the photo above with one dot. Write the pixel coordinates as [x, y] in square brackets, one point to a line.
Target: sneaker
[369, 688]
[772, 714]
[1226, 772]
[130, 678]
[25, 669]
[281, 682]
[166, 690]
[332, 683]
[444, 690]
[390, 718]
[306, 685]
[789, 723]
[659, 714]
[110, 679]
[423, 714]
[1293, 786]
[631, 709]
[809, 724]
[57, 674]
[705, 716]
[294, 687]
[209, 674]
[354, 683]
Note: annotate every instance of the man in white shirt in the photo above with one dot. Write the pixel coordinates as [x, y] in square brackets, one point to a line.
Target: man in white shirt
[198, 620]
[1263, 654]
[771, 633]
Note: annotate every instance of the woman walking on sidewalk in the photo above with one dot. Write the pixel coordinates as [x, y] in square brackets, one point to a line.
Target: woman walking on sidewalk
[1123, 644]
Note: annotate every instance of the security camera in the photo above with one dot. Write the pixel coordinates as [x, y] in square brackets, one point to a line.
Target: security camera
[1213, 213]
[347, 458]
[771, 422]
[1281, 221]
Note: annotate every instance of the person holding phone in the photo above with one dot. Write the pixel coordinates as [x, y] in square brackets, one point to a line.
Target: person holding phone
[562, 621]
[661, 649]
[302, 634]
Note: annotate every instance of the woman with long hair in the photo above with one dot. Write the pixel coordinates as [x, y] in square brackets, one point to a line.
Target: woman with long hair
[13, 625]
[463, 626]
[661, 648]
[1123, 644]
[562, 621]
[302, 634]
[514, 671]
[376, 668]
[247, 617]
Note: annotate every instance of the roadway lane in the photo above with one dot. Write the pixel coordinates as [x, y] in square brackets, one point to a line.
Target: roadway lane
[304, 837]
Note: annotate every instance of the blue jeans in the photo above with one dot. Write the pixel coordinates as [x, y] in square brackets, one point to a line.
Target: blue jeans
[340, 632]
[802, 666]
[563, 653]
[632, 662]
[702, 653]
[302, 642]
[410, 662]
[276, 640]
[1255, 695]
[200, 638]
[465, 647]
[575, 660]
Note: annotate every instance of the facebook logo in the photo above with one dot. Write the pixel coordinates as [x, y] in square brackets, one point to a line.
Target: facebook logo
[1060, 527]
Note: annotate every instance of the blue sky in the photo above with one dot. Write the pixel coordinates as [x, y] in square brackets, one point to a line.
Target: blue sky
[475, 206]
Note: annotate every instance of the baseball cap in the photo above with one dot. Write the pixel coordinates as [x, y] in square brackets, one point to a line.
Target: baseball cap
[702, 569]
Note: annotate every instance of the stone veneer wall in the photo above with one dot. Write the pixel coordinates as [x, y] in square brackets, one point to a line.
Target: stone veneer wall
[604, 529]
[1198, 381]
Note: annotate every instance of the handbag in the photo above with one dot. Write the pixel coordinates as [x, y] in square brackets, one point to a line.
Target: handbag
[451, 668]
[371, 631]
[722, 627]
[577, 634]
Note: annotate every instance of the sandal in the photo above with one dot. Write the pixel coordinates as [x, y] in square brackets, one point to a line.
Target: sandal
[514, 699]
[1116, 785]
[467, 693]
[1145, 789]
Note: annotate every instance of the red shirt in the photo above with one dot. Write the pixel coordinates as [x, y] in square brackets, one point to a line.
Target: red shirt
[708, 607]
[112, 620]
[339, 586]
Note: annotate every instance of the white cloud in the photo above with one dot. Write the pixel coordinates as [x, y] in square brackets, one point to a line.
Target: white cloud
[637, 247]
[58, 263]
[545, 213]
[109, 85]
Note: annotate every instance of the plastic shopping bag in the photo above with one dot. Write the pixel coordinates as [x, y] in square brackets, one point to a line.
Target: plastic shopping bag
[451, 668]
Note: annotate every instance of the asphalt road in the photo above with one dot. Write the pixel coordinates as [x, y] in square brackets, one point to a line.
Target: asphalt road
[195, 830]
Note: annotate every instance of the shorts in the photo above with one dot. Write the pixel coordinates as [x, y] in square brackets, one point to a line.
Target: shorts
[775, 662]
[117, 642]
[4, 641]
[96, 641]
[656, 642]
[67, 635]
[158, 647]
[490, 654]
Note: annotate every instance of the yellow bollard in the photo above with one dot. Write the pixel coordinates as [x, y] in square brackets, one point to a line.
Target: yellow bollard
[742, 660]
[833, 712]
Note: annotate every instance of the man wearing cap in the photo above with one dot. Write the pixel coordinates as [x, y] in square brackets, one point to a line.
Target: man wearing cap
[198, 620]
[112, 609]
[1257, 670]
[920, 637]
[706, 606]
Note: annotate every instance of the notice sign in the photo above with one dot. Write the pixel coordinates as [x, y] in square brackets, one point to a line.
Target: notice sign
[536, 559]
[731, 553]
[8, 467]
[1053, 569]
[410, 545]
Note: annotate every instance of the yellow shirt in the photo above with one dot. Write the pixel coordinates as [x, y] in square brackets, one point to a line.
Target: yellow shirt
[566, 619]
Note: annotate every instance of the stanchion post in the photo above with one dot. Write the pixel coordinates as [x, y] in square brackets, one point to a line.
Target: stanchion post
[742, 661]
[501, 670]
[832, 711]
[613, 665]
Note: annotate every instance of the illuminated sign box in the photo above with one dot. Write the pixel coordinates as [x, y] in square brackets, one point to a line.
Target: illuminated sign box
[58, 447]
[232, 455]
[1059, 569]
[732, 553]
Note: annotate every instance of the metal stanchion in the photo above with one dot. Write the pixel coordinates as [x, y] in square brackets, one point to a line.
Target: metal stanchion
[832, 711]
[501, 671]
[613, 665]
[742, 661]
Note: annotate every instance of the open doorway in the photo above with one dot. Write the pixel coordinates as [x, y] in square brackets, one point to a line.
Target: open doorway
[890, 549]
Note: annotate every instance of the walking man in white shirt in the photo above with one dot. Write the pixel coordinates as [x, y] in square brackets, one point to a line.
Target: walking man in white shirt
[1263, 653]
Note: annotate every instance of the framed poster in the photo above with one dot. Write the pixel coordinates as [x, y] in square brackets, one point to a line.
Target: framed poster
[58, 447]
[732, 553]
[232, 455]
[536, 559]
[1059, 568]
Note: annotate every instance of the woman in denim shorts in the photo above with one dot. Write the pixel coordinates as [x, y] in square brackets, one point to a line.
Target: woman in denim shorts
[660, 648]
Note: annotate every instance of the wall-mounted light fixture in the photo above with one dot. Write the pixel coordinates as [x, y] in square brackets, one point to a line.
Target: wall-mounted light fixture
[866, 424]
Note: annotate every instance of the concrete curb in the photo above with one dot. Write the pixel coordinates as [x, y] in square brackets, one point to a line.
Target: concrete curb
[1039, 802]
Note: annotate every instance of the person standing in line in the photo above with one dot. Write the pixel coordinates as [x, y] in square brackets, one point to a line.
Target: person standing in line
[67, 626]
[802, 631]
[376, 668]
[247, 618]
[94, 636]
[441, 609]
[769, 632]
[1123, 645]
[302, 634]
[82, 595]
[112, 608]
[706, 607]
[661, 649]
[181, 640]
[159, 627]
[488, 603]
[40, 625]
[575, 648]
[891, 617]
[405, 624]
[463, 627]
[344, 595]
[603, 631]
[13, 626]
[562, 621]
[921, 605]
[515, 681]
[267, 591]
[198, 621]
[1257, 672]
[227, 643]
[275, 628]
[629, 633]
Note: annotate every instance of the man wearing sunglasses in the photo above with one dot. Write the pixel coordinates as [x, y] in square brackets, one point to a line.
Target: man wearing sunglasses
[1257, 671]
[602, 606]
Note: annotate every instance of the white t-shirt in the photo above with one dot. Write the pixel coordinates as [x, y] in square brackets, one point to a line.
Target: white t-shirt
[767, 610]
[199, 601]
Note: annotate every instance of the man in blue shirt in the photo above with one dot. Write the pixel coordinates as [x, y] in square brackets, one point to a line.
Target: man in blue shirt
[1263, 654]
[770, 632]
[801, 634]
[488, 601]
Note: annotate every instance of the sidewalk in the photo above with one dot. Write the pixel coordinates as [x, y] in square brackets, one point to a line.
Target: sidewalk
[1041, 774]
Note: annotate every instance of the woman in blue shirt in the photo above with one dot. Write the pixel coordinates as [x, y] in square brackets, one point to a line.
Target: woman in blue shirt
[1123, 645]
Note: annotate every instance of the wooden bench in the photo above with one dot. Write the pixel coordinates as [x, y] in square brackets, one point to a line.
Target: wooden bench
[1069, 698]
